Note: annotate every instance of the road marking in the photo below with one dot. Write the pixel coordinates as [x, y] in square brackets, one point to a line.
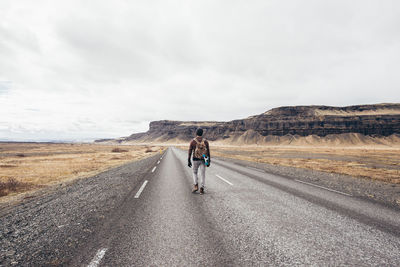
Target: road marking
[324, 188]
[253, 168]
[141, 189]
[97, 258]
[158, 162]
[226, 181]
[153, 169]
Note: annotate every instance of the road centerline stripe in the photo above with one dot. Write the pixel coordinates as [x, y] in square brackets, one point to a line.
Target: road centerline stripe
[154, 169]
[332, 190]
[141, 189]
[158, 162]
[223, 179]
[97, 258]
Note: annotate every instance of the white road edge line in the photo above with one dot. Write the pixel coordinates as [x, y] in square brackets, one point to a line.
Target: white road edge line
[324, 188]
[154, 169]
[97, 258]
[141, 189]
[255, 169]
[226, 181]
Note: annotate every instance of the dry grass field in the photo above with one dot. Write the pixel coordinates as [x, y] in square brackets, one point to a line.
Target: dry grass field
[29, 166]
[377, 163]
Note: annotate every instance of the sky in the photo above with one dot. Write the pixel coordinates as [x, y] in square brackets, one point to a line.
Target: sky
[79, 70]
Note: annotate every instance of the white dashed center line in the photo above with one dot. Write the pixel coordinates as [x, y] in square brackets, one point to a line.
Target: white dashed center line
[97, 258]
[223, 179]
[324, 188]
[158, 162]
[153, 169]
[141, 189]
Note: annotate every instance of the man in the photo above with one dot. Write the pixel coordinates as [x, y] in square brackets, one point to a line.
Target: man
[200, 148]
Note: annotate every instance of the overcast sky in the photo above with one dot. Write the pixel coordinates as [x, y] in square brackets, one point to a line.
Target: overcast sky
[78, 70]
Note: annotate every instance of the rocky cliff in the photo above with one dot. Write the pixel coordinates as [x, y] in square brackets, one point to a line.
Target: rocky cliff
[319, 121]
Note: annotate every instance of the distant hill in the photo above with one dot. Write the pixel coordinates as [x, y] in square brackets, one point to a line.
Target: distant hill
[286, 125]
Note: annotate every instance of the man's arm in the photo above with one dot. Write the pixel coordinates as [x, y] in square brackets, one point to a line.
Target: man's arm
[190, 150]
[190, 154]
[208, 150]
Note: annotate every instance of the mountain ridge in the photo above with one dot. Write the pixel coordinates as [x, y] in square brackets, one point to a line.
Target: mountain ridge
[375, 120]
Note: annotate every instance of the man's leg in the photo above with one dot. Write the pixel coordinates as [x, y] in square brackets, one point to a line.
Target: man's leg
[203, 174]
[196, 164]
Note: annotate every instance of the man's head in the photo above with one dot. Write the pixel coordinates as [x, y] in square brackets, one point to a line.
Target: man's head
[199, 132]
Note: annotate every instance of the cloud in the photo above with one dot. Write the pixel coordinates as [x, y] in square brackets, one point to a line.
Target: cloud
[5, 87]
[82, 69]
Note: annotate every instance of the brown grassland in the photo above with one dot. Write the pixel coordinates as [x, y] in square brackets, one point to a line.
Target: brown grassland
[29, 166]
[377, 163]
[369, 162]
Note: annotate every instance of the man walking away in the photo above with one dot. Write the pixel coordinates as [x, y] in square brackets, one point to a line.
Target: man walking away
[200, 148]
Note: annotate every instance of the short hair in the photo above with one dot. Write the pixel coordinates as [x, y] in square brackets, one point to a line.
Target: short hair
[199, 132]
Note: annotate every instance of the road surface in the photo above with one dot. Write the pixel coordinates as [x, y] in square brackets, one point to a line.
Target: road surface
[246, 217]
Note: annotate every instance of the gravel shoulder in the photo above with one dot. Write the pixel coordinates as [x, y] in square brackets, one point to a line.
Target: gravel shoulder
[49, 228]
[378, 191]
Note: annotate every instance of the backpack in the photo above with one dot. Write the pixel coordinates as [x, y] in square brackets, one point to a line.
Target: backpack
[200, 149]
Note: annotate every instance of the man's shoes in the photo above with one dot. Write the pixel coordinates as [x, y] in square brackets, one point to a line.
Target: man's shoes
[195, 188]
[201, 190]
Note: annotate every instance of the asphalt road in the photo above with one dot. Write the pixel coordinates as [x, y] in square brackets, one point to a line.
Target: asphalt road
[246, 217]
